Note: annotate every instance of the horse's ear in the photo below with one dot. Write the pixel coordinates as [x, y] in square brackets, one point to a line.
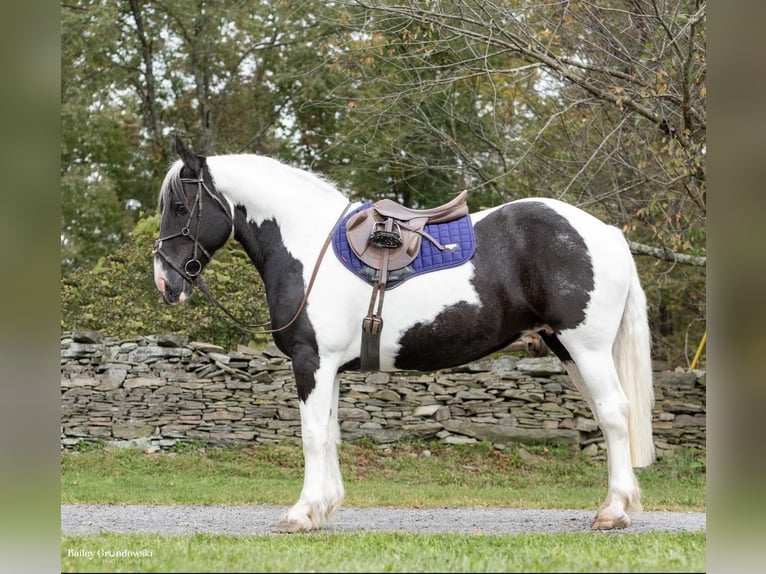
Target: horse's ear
[189, 158]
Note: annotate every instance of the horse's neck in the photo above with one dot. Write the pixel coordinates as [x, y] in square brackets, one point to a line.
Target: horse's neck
[303, 206]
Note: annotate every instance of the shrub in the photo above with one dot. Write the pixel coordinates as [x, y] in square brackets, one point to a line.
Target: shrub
[117, 297]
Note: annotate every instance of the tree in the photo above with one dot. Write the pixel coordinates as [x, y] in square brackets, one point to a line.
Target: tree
[599, 105]
[602, 106]
[230, 77]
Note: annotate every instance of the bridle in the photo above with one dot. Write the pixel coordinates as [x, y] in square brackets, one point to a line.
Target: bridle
[193, 267]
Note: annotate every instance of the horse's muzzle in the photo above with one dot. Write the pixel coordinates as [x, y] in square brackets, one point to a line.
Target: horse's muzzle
[171, 294]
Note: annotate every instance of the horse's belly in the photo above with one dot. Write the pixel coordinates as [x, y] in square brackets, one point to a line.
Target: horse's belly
[460, 334]
[439, 321]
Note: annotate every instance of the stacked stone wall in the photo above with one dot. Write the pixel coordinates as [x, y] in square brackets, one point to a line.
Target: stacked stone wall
[158, 391]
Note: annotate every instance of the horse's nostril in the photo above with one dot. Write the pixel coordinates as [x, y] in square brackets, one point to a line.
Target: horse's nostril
[169, 295]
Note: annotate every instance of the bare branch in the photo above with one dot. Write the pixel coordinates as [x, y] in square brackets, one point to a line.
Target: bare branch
[667, 254]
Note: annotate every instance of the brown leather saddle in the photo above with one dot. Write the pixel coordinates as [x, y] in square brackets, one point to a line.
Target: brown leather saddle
[387, 236]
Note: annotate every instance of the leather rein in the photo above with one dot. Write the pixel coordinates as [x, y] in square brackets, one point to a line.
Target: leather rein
[192, 269]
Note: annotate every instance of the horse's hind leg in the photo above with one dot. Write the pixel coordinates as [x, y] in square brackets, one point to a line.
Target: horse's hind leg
[594, 373]
[323, 490]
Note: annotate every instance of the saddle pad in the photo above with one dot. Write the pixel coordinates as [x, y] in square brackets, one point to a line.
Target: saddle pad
[458, 232]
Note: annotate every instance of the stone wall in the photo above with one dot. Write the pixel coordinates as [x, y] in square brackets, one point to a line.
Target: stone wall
[157, 391]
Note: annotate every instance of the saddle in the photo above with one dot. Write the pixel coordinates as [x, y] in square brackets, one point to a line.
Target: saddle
[388, 236]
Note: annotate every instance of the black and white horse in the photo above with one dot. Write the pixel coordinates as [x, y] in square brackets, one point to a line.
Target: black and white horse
[540, 265]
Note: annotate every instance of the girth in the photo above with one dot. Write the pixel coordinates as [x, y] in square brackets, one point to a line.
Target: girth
[387, 237]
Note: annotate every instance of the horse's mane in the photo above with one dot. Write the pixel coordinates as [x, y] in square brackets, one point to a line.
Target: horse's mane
[268, 170]
[172, 188]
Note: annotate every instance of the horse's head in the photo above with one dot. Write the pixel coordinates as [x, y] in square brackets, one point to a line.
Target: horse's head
[195, 221]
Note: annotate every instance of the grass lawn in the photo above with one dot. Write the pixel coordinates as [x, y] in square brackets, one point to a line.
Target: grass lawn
[389, 552]
[404, 475]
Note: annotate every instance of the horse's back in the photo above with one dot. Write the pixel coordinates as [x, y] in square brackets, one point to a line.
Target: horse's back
[530, 210]
[561, 234]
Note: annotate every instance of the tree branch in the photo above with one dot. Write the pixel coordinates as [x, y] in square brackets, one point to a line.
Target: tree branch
[667, 254]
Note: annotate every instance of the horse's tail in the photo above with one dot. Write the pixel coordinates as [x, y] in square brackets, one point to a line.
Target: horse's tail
[632, 357]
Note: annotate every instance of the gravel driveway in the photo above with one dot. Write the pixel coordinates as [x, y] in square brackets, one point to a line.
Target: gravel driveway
[256, 519]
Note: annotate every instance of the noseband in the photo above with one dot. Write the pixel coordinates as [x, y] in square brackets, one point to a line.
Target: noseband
[192, 268]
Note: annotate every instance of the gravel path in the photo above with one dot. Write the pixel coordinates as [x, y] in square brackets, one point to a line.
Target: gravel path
[93, 519]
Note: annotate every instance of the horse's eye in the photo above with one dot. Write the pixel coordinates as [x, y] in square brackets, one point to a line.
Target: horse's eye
[180, 208]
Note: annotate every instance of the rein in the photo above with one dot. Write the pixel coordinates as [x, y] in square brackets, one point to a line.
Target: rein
[193, 267]
[240, 324]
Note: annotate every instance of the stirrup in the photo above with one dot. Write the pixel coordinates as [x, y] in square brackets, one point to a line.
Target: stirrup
[390, 239]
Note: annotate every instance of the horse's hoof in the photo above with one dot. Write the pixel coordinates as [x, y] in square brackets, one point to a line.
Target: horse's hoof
[285, 526]
[610, 522]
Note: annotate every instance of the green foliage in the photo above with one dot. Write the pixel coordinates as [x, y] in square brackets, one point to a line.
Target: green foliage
[89, 445]
[677, 304]
[107, 168]
[601, 107]
[191, 446]
[118, 297]
[134, 71]
[412, 117]
[93, 221]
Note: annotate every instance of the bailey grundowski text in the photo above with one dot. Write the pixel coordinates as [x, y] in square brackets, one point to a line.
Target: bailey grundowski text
[108, 553]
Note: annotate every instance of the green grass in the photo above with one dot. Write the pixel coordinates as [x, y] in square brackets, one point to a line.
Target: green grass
[403, 475]
[390, 552]
[420, 475]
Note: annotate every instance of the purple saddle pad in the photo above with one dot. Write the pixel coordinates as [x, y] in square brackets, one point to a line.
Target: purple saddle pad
[457, 234]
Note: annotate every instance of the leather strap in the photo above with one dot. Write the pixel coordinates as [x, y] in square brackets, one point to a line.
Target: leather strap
[322, 252]
[248, 328]
[372, 324]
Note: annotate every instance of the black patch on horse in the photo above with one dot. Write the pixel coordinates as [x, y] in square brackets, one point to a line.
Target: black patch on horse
[282, 276]
[532, 268]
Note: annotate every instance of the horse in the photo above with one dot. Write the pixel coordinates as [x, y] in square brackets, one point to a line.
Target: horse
[539, 265]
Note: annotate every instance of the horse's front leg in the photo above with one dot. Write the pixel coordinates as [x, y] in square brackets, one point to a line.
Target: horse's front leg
[323, 491]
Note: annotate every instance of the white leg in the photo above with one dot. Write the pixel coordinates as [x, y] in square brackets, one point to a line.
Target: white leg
[323, 490]
[596, 376]
[576, 377]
